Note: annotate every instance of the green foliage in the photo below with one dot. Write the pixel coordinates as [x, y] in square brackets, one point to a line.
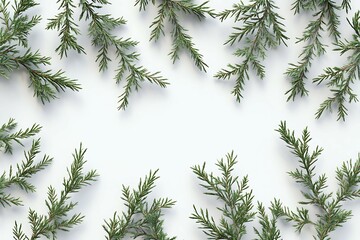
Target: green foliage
[23, 172]
[59, 206]
[261, 29]
[326, 17]
[170, 10]
[237, 199]
[8, 137]
[331, 213]
[269, 229]
[340, 79]
[100, 28]
[141, 219]
[15, 53]
[68, 29]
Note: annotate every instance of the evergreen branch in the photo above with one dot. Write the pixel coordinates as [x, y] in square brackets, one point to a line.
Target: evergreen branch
[332, 214]
[262, 29]
[20, 176]
[237, 199]
[59, 206]
[64, 23]
[325, 16]
[16, 28]
[100, 28]
[7, 137]
[170, 9]
[269, 230]
[340, 79]
[140, 219]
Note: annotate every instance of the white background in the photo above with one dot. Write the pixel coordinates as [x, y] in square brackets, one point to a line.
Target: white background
[194, 120]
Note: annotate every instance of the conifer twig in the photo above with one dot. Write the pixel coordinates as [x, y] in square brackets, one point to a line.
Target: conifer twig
[170, 10]
[141, 219]
[20, 175]
[234, 194]
[261, 29]
[8, 137]
[326, 16]
[100, 31]
[340, 79]
[68, 30]
[331, 214]
[59, 206]
[14, 33]
[269, 229]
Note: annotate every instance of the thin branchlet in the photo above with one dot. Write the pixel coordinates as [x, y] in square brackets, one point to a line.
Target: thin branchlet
[100, 28]
[141, 218]
[261, 29]
[341, 79]
[59, 215]
[21, 174]
[331, 214]
[65, 24]
[8, 137]
[237, 200]
[326, 18]
[15, 54]
[269, 229]
[170, 10]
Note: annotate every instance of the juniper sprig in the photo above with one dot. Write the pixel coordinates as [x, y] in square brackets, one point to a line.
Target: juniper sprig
[15, 53]
[141, 219]
[59, 206]
[261, 29]
[237, 199]
[326, 17]
[8, 137]
[331, 214]
[65, 24]
[21, 175]
[170, 10]
[100, 28]
[269, 229]
[340, 79]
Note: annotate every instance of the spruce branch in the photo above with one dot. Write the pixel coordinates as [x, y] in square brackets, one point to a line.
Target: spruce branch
[331, 214]
[100, 28]
[60, 205]
[15, 53]
[22, 174]
[340, 79]
[326, 18]
[141, 219]
[170, 10]
[64, 23]
[233, 193]
[261, 30]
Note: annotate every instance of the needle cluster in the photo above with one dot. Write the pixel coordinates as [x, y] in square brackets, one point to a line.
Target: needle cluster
[325, 13]
[170, 10]
[340, 79]
[15, 54]
[141, 219]
[59, 206]
[234, 194]
[260, 29]
[22, 173]
[100, 32]
[331, 213]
